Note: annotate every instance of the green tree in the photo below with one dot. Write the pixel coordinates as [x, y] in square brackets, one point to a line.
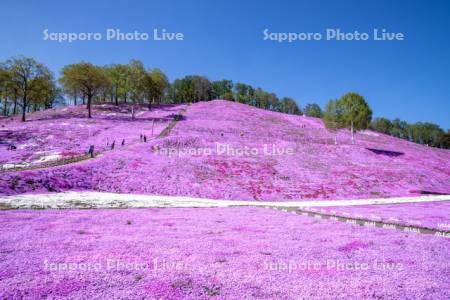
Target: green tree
[244, 93]
[160, 84]
[85, 77]
[222, 89]
[426, 133]
[273, 102]
[382, 125]
[289, 106]
[25, 74]
[262, 99]
[443, 140]
[201, 87]
[9, 89]
[355, 112]
[44, 92]
[400, 129]
[312, 110]
[332, 117]
[150, 89]
[5, 83]
[181, 90]
[139, 84]
[190, 89]
[119, 78]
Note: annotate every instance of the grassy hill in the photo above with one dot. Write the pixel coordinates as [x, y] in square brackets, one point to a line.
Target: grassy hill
[217, 149]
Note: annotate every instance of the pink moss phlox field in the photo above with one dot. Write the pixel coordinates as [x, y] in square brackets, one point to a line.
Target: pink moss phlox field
[377, 166]
[67, 131]
[217, 253]
[434, 215]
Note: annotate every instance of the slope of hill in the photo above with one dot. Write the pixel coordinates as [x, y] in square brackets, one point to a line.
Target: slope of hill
[59, 133]
[226, 150]
[212, 253]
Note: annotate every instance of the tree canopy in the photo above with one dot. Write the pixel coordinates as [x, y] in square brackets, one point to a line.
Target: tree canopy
[381, 125]
[85, 77]
[28, 80]
[27, 85]
[312, 110]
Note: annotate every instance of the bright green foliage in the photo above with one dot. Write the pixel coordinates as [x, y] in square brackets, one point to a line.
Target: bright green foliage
[350, 111]
[426, 133]
[422, 133]
[289, 106]
[355, 112]
[191, 89]
[443, 140]
[5, 83]
[400, 129]
[28, 78]
[244, 93]
[119, 78]
[312, 110]
[30, 85]
[381, 125]
[137, 75]
[332, 116]
[222, 89]
[86, 78]
[44, 92]
[160, 84]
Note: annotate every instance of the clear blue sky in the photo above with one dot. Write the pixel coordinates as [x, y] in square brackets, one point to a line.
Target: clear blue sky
[409, 79]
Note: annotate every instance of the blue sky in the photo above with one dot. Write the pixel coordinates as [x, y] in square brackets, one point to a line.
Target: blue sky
[409, 79]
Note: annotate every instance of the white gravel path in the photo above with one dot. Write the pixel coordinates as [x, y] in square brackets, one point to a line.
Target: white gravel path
[112, 200]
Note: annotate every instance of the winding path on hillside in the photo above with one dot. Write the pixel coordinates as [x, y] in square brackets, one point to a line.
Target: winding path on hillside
[84, 157]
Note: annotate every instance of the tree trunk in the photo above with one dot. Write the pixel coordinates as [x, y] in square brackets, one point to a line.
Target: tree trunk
[89, 105]
[24, 106]
[5, 106]
[132, 111]
[353, 133]
[75, 100]
[15, 105]
[84, 96]
[116, 98]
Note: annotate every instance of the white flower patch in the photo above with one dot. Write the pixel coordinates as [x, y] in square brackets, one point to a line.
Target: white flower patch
[370, 133]
[50, 157]
[112, 200]
[23, 146]
[12, 166]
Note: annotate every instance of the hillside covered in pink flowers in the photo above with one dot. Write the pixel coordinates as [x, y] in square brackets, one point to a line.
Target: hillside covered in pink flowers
[212, 253]
[217, 149]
